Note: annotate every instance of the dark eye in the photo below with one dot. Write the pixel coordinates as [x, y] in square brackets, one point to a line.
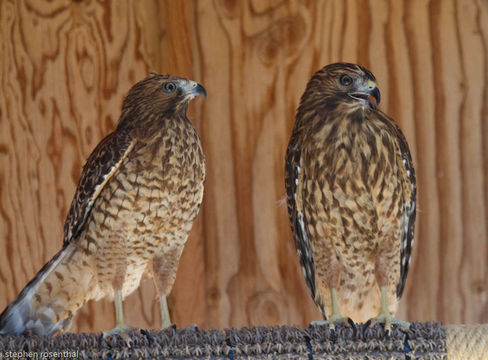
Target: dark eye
[346, 80]
[169, 87]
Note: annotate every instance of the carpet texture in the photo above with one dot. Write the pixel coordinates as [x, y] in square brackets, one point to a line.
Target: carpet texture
[422, 341]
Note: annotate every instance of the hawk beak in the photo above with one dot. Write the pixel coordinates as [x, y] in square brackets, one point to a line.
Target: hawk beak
[195, 89]
[371, 95]
[375, 96]
[200, 90]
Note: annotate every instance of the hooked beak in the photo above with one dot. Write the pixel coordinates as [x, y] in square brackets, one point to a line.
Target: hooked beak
[200, 90]
[195, 89]
[371, 95]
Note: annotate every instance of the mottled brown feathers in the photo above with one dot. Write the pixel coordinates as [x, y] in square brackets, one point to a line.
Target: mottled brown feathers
[101, 164]
[351, 192]
[145, 112]
[139, 192]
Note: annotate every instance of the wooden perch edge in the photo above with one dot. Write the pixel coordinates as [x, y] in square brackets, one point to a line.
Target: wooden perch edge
[422, 341]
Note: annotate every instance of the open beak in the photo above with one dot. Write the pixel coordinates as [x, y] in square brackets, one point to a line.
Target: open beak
[371, 95]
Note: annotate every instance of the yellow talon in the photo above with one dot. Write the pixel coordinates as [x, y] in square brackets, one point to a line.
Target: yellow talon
[384, 316]
[336, 317]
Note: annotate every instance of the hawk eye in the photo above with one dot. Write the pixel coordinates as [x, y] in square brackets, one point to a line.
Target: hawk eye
[169, 87]
[346, 80]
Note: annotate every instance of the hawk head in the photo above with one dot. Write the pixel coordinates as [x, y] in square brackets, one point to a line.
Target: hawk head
[157, 97]
[344, 84]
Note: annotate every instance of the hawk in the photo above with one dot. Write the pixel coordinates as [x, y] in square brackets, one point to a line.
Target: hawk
[139, 192]
[351, 190]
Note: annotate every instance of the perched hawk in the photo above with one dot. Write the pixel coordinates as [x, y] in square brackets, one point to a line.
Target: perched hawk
[350, 187]
[134, 206]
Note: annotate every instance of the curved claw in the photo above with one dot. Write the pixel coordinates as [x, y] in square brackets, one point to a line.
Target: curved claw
[388, 321]
[366, 325]
[191, 327]
[122, 330]
[385, 317]
[333, 320]
[353, 325]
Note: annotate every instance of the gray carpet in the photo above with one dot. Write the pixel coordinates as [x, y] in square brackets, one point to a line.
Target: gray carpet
[422, 341]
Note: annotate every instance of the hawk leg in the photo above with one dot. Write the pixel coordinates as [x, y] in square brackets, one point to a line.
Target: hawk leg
[331, 283]
[164, 274]
[121, 328]
[382, 266]
[336, 317]
[384, 315]
[165, 319]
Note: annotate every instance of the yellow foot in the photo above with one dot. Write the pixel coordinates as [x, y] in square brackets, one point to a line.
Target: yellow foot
[167, 325]
[191, 327]
[388, 320]
[332, 321]
[122, 330]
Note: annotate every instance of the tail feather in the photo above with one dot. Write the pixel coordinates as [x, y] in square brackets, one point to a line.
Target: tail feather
[47, 303]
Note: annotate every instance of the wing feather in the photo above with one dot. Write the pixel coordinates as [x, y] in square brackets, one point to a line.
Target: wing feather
[409, 212]
[298, 220]
[101, 165]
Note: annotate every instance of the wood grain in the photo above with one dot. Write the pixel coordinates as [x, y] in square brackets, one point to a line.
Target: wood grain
[66, 66]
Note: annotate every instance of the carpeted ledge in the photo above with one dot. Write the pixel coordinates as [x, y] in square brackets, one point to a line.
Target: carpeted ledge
[422, 341]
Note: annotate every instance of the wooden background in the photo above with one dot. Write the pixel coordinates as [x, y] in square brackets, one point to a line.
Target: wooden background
[66, 66]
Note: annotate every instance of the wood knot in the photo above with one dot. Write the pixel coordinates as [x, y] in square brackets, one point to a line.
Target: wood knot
[282, 39]
[230, 8]
[478, 286]
[267, 307]
[213, 296]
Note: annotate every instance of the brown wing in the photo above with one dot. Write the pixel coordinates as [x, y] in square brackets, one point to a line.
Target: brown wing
[297, 217]
[101, 165]
[409, 212]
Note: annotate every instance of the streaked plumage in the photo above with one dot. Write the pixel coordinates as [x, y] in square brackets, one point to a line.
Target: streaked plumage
[351, 191]
[134, 206]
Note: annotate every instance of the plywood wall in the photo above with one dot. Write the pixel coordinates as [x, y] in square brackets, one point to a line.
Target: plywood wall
[66, 66]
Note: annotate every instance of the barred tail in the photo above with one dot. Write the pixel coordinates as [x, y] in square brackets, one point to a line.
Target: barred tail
[48, 302]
